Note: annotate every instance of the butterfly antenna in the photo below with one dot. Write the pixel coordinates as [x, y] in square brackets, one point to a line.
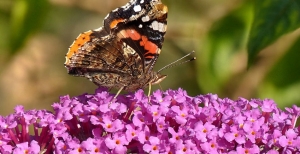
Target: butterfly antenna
[174, 63]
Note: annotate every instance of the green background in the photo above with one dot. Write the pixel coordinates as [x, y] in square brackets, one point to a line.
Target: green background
[244, 48]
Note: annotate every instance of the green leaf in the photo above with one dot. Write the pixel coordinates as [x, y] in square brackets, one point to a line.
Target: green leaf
[272, 19]
[286, 72]
[27, 16]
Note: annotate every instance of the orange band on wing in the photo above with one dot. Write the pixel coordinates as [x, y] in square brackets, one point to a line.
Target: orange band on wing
[134, 35]
[148, 45]
[79, 41]
[115, 22]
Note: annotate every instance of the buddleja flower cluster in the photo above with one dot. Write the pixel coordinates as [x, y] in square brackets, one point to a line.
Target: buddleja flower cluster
[166, 122]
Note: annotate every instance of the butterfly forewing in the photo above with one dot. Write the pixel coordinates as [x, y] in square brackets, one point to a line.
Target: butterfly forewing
[122, 53]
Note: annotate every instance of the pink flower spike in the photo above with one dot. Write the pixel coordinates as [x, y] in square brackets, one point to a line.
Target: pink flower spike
[201, 124]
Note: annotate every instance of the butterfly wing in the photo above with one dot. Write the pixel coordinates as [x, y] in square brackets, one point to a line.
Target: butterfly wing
[142, 25]
[126, 47]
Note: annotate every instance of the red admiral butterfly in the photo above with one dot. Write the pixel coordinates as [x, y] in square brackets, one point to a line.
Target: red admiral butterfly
[121, 54]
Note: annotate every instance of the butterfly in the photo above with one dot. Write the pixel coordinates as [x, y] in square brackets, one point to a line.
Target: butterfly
[122, 53]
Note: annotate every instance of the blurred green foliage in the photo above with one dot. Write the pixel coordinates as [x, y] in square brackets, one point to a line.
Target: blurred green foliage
[272, 19]
[244, 48]
[26, 18]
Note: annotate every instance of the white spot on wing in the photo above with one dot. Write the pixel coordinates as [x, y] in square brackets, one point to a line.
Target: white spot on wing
[140, 26]
[154, 25]
[145, 18]
[127, 6]
[137, 8]
[161, 27]
[115, 10]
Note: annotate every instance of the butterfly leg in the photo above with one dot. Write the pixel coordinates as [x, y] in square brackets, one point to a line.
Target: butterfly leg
[117, 94]
[149, 91]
